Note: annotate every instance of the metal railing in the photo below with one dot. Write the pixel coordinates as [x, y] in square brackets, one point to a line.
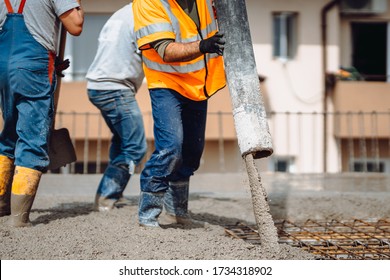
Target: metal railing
[357, 141]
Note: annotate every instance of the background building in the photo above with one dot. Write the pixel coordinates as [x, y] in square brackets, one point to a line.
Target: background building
[326, 88]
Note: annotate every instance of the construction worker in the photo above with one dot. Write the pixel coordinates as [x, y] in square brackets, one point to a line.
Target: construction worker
[28, 39]
[113, 80]
[182, 57]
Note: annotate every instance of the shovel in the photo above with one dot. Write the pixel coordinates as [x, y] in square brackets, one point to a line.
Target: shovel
[61, 150]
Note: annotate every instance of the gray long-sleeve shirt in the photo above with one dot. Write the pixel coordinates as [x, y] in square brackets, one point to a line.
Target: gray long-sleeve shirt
[117, 64]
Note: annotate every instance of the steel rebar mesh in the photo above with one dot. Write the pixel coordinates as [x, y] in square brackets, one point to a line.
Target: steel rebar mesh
[352, 240]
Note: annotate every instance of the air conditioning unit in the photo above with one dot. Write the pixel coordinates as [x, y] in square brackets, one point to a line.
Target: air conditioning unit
[358, 7]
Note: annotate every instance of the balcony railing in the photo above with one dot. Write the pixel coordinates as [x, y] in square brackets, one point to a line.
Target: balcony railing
[356, 142]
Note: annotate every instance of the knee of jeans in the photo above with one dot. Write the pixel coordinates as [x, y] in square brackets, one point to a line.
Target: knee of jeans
[176, 160]
[169, 161]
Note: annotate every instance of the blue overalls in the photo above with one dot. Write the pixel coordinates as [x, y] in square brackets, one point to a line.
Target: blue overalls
[27, 84]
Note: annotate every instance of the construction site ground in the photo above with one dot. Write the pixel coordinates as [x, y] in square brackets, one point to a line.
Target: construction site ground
[66, 227]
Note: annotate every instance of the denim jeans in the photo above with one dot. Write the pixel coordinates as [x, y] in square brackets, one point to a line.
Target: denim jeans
[120, 111]
[179, 132]
[27, 83]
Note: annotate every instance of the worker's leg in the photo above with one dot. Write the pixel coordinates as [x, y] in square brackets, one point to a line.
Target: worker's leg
[8, 138]
[121, 113]
[176, 202]
[166, 159]
[24, 187]
[8, 135]
[34, 103]
[176, 198]
[6, 173]
[31, 82]
[31, 155]
[111, 186]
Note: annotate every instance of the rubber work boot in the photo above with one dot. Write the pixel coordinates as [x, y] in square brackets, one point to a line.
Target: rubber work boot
[150, 208]
[6, 173]
[111, 187]
[24, 187]
[176, 204]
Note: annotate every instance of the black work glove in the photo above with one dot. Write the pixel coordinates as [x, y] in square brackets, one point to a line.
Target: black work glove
[214, 44]
[61, 66]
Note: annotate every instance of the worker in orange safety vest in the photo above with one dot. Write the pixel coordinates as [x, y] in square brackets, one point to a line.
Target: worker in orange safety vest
[183, 65]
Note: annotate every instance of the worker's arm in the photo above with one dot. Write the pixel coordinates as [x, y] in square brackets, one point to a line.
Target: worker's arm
[73, 20]
[180, 52]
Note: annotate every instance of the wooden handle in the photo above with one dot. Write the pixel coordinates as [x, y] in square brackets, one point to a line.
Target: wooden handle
[60, 57]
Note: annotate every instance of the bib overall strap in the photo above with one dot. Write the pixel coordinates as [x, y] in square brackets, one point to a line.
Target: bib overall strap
[11, 10]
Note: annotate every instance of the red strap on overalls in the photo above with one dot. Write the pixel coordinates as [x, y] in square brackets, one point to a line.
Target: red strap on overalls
[11, 10]
[21, 7]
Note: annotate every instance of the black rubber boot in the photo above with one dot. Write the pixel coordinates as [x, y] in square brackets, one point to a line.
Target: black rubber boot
[176, 205]
[150, 208]
[176, 198]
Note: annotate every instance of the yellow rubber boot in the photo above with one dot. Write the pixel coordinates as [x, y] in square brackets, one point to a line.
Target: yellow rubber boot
[24, 187]
[6, 172]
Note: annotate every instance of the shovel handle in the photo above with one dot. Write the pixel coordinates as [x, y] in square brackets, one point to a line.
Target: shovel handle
[60, 57]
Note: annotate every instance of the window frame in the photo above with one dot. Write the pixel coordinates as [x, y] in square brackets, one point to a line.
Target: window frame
[285, 34]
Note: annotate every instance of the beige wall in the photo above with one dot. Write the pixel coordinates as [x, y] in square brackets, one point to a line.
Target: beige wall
[366, 97]
[103, 6]
[74, 98]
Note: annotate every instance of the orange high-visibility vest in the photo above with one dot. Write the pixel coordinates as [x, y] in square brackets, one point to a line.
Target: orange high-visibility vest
[154, 20]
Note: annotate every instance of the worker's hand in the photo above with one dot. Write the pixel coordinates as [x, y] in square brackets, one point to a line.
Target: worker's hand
[61, 66]
[214, 44]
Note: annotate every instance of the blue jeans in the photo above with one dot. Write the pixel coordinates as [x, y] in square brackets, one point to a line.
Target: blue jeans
[179, 132]
[120, 111]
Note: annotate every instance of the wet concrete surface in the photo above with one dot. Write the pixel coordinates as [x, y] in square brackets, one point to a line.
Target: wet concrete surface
[229, 184]
[66, 227]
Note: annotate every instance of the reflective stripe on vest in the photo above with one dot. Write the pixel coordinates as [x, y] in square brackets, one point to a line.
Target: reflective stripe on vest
[188, 68]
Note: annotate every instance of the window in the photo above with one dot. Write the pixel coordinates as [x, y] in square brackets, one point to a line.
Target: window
[282, 164]
[370, 165]
[370, 50]
[285, 33]
[81, 50]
